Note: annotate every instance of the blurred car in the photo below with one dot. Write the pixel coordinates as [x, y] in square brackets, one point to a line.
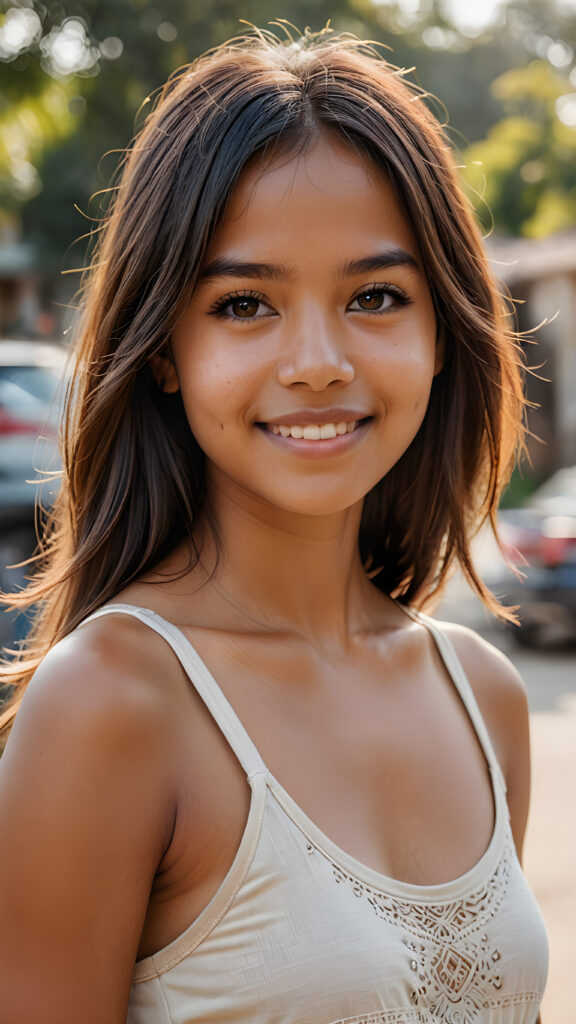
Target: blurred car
[30, 373]
[30, 406]
[540, 539]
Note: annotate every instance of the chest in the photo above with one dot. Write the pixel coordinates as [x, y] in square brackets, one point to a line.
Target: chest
[379, 751]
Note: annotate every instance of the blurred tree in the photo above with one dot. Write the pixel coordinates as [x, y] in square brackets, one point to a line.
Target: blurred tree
[30, 124]
[74, 73]
[525, 169]
[76, 77]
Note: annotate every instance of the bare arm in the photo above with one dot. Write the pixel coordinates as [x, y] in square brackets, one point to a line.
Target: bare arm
[86, 815]
[511, 709]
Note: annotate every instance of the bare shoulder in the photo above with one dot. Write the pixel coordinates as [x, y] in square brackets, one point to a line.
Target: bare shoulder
[88, 797]
[107, 680]
[501, 695]
[493, 677]
[97, 718]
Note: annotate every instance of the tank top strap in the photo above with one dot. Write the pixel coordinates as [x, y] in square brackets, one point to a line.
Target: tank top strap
[460, 681]
[202, 680]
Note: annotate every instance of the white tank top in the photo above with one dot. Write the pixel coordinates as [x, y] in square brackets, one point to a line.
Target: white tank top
[299, 932]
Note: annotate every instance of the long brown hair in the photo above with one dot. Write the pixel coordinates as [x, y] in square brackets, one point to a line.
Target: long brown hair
[133, 476]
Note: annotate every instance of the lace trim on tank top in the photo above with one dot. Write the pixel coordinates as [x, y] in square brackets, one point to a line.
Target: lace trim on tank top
[451, 956]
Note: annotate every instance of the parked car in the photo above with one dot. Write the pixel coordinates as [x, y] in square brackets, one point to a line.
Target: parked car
[541, 540]
[30, 405]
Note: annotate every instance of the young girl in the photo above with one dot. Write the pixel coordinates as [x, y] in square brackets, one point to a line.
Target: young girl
[250, 780]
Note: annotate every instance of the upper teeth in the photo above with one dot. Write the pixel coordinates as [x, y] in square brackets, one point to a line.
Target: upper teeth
[315, 431]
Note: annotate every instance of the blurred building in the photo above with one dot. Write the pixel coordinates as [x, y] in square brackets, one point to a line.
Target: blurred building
[22, 309]
[541, 277]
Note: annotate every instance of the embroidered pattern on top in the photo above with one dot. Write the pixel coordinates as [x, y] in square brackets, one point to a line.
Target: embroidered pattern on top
[387, 1017]
[516, 999]
[420, 1017]
[454, 965]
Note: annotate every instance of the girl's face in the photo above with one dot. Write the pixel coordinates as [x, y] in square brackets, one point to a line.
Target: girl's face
[306, 356]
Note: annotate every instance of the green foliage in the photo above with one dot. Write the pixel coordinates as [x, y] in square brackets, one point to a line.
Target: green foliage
[129, 48]
[524, 171]
[521, 486]
[72, 94]
[30, 125]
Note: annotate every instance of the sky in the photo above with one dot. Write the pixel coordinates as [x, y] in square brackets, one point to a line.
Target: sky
[475, 14]
[472, 14]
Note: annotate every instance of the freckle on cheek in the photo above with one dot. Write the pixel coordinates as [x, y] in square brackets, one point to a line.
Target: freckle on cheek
[221, 426]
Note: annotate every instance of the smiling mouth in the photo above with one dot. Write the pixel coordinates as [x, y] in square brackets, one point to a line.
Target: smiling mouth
[314, 431]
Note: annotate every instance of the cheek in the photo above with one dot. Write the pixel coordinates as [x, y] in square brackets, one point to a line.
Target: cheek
[216, 393]
[406, 368]
[418, 396]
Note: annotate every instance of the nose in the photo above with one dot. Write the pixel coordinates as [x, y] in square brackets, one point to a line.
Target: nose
[313, 354]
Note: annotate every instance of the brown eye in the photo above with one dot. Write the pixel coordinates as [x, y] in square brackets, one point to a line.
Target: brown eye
[244, 307]
[371, 300]
[379, 298]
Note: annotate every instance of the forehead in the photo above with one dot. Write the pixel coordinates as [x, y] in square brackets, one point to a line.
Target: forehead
[330, 196]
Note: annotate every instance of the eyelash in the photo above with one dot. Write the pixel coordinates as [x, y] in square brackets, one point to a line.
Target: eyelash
[384, 287]
[221, 305]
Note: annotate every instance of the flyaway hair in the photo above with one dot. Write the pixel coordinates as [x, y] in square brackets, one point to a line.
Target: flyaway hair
[133, 476]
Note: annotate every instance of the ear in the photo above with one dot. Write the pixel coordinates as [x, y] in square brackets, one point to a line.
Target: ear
[440, 350]
[165, 374]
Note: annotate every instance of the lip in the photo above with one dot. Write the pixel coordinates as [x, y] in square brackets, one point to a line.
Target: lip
[317, 417]
[323, 449]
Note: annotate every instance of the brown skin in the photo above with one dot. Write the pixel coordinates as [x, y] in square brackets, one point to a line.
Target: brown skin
[126, 806]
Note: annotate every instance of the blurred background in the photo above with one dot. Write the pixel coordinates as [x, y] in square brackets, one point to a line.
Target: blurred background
[76, 81]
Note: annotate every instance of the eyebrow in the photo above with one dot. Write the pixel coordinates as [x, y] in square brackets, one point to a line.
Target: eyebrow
[224, 266]
[228, 267]
[394, 257]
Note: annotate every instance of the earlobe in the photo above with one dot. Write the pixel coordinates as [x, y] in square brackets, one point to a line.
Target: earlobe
[165, 374]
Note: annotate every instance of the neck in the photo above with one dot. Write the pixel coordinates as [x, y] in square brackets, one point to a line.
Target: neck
[284, 571]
